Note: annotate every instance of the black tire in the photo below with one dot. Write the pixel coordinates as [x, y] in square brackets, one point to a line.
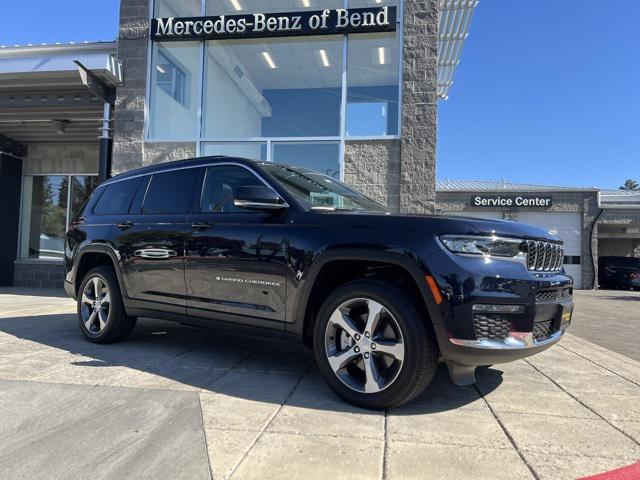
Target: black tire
[118, 324]
[420, 346]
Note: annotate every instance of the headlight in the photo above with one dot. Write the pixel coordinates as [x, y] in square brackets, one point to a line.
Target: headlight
[486, 246]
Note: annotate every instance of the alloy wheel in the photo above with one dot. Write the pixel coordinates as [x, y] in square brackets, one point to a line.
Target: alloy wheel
[95, 303]
[364, 345]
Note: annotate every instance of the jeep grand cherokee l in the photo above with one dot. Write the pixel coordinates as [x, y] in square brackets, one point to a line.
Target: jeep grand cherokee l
[381, 297]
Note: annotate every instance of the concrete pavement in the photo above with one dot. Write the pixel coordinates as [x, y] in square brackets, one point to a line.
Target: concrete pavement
[177, 402]
[611, 319]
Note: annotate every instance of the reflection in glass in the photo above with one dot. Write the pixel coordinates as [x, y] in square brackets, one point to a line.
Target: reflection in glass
[323, 157]
[171, 8]
[372, 3]
[250, 150]
[44, 216]
[372, 84]
[273, 88]
[81, 188]
[173, 96]
[239, 7]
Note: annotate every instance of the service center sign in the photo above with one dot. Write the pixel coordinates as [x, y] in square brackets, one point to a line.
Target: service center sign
[507, 201]
[255, 25]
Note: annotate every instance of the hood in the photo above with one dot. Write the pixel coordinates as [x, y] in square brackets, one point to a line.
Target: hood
[436, 224]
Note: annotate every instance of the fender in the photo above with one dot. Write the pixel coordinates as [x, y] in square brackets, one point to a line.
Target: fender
[299, 304]
[112, 254]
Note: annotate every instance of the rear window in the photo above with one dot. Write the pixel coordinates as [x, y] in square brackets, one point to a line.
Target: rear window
[171, 192]
[117, 197]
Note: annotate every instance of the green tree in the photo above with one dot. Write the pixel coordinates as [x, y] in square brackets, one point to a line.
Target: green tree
[630, 185]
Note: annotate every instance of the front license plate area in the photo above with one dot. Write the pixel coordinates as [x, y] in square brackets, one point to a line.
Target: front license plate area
[566, 312]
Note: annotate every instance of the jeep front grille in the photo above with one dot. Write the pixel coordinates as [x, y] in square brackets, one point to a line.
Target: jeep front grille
[543, 329]
[544, 256]
[549, 295]
[491, 326]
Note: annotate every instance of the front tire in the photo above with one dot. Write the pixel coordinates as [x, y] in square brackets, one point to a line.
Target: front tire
[373, 345]
[101, 312]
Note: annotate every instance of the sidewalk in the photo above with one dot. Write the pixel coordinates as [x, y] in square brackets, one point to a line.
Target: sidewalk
[176, 402]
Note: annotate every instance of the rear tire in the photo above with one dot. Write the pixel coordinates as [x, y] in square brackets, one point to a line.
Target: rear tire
[101, 313]
[373, 345]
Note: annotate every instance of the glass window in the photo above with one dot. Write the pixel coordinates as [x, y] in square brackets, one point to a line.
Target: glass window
[44, 216]
[323, 157]
[174, 90]
[250, 150]
[238, 7]
[282, 87]
[81, 189]
[372, 3]
[182, 8]
[320, 191]
[219, 188]
[117, 197]
[372, 84]
[171, 192]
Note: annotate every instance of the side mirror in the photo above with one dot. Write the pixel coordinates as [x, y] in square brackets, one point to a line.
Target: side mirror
[258, 198]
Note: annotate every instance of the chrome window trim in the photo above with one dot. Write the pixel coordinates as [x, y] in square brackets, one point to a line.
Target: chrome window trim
[202, 165]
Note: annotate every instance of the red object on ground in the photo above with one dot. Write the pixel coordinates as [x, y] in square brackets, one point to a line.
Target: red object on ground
[630, 472]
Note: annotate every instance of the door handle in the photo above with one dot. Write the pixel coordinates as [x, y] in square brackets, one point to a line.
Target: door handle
[201, 225]
[125, 225]
[155, 253]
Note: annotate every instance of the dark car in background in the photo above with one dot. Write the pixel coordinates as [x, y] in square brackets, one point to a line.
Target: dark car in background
[381, 297]
[619, 273]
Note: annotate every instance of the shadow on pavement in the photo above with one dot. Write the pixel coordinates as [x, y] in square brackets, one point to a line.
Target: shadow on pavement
[166, 355]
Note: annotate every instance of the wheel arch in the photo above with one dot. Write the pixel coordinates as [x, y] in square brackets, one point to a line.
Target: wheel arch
[375, 265]
[93, 256]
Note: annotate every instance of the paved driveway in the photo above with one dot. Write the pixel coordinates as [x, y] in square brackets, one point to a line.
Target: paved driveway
[611, 319]
[176, 402]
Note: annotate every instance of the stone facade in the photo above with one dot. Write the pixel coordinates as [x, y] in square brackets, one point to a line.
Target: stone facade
[583, 202]
[399, 173]
[373, 167]
[38, 274]
[77, 158]
[419, 111]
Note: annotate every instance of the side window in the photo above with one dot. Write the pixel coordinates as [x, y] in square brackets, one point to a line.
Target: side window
[171, 192]
[219, 188]
[136, 205]
[117, 197]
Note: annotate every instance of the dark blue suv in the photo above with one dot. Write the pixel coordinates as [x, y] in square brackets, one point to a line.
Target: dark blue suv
[381, 297]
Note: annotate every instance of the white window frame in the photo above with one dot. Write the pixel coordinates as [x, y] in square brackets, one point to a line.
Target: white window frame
[198, 140]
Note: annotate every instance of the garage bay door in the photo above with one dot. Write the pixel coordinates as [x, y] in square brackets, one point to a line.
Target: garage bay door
[567, 226]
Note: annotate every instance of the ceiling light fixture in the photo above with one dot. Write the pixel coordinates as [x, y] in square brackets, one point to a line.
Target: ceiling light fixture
[160, 69]
[324, 57]
[306, 3]
[236, 4]
[382, 57]
[269, 60]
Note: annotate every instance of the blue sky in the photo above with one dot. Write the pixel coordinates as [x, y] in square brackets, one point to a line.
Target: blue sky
[547, 91]
[49, 21]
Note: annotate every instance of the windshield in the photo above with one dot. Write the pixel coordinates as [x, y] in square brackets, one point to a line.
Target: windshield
[320, 192]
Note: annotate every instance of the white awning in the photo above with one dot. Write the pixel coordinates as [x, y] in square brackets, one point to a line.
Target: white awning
[453, 29]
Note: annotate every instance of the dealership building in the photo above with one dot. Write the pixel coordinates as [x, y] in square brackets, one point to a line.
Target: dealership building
[346, 87]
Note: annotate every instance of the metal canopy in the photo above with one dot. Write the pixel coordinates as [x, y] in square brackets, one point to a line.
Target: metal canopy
[42, 99]
[453, 29]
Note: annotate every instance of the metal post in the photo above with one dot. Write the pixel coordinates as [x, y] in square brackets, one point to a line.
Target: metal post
[104, 162]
